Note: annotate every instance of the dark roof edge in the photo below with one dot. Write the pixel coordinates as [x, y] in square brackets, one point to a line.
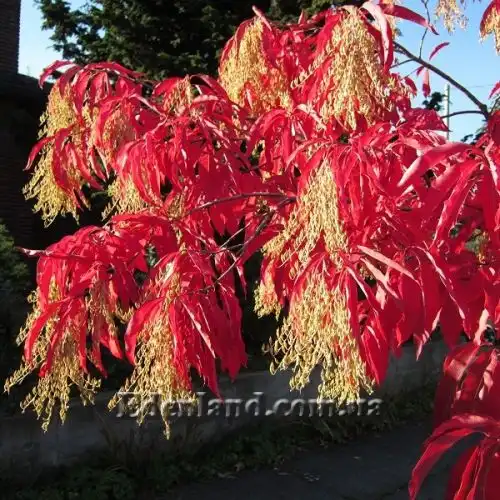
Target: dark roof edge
[17, 86]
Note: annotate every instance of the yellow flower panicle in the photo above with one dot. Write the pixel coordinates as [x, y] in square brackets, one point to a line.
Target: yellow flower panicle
[175, 208]
[316, 333]
[124, 198]
[266, 300]
[482, 244]
[116, 132]
[54, 388]
[355, 80]
[491, 25]
[180, 97]
[316, 330]
[451, 14]
[246, 64]
[51, 200]
[315, 216]
[155, 373]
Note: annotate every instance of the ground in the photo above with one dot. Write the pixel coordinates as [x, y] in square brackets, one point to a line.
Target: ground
[372, 468]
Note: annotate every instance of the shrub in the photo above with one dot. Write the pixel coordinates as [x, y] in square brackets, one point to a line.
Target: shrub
[14, 285]
[14, 282]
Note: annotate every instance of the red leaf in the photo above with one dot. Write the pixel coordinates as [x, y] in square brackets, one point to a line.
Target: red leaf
[441, 188]
[385, 260]
[200, 324]
[495, 90]
[430, 285]
[455, 294]
[68, 312]
[255, 243]
[114, 67]
[376, 352]
[351, 291]
[442, 439]
[427, 161]
[478, 392]
[426, 87]
[166, 86]
[36, 150]
[424, 119]
[51, 69]
[262, 17]
[114, 346]
[385, 31]
[407, 14]
[462, 474]
[412, 321]
[486, 14]
[454, 203]
[438, 48]
[475, 475]
[381, 278]
[487, 449]
[455, 366]
[367, 291]
[140, 317]
[37, 327]
[437, 445]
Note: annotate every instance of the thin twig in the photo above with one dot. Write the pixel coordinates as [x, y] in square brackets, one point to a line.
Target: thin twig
[469, 112]
[239, 197]
[241, 230]
[263, 224]
[482, 107]
[401, 63]
[426, 5]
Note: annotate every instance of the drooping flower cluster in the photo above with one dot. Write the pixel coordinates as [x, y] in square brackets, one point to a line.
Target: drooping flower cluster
[248, 74]
[490, 23]
[452, 15]
[374, 229]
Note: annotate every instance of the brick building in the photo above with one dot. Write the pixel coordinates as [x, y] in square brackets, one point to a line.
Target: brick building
[21, 104]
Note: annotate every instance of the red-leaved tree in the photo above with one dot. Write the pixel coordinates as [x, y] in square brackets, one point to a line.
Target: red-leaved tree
[375, 229]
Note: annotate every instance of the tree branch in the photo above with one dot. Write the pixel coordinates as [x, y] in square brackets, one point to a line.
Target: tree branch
[237, 258]
[469, 112]
[482, 107]
[241, 197]
[406, 61]
[263, 224]
[426, 5]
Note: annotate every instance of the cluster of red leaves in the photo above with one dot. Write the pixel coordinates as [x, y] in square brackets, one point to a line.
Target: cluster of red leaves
[467, 398]
[179, 163]
[218, 180]
[467, 404]
[398, 225]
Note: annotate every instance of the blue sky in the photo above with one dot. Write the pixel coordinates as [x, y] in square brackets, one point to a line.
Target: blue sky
[475, 65]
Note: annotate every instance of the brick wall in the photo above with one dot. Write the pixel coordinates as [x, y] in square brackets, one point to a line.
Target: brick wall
[21, 104]
[12, 156]
[14, 211]
[10, 11]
